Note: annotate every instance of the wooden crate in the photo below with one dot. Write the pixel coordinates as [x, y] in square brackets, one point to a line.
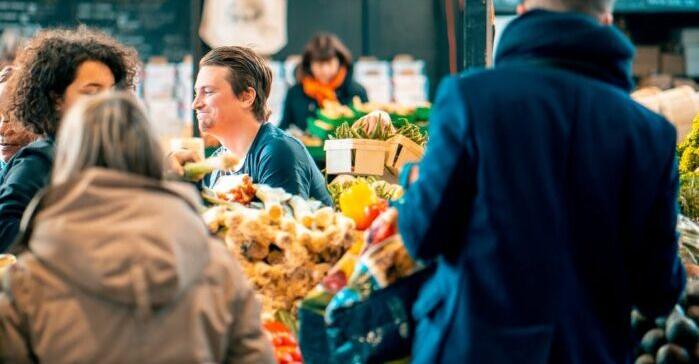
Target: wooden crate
[402, 150]
[356, 156]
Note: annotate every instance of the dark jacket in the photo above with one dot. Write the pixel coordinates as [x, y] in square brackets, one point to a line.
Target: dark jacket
[25, 174]
[548, 198]
[278, 160]
[122, 269]
[298, 106]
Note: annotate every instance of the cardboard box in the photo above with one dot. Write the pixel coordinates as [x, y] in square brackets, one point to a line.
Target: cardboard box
[672, 64]
[402, 151]
[663, 82]
[356, 156]
[680, 106]
[647, 61]
[691, 56]
[690, 36]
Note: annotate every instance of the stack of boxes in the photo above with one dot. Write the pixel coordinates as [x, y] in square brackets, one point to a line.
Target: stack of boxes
[159, 85]
[409, 81]
[690, 43]
[278, 91]
[375, 76]
[167, 92]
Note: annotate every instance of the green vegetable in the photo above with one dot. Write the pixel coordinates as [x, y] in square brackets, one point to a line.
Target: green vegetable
[286, 318]
[689, 195]
[382, 189]
[413, 132]
[688, 150]
[688, 154]
[196, 171]
[344, 131]
[375, 126]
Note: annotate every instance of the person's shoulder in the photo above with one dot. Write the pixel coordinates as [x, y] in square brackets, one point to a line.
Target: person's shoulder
[658, 125]
[37, 156]
[42, 148]
[278, 140]
[279, 144]
[296, 90]
[356, 87]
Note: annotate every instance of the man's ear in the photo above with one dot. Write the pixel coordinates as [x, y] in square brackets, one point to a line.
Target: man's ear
[607, 18]
[248, 97]
[521, 8]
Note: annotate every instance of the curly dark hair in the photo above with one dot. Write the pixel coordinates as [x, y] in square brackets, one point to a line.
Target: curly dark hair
[48, 64]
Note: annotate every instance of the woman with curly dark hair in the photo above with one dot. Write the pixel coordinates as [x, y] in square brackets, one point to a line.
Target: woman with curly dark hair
[54, 69]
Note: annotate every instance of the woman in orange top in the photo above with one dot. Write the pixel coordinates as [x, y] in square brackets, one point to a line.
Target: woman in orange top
[325, 74]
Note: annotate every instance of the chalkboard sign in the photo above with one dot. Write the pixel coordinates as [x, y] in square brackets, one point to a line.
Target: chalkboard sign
[153, 27]
[509, 6]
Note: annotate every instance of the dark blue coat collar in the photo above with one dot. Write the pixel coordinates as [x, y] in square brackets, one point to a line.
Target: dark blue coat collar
[571, 39]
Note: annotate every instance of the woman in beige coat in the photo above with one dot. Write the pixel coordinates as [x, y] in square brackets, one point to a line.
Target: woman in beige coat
[121, 268]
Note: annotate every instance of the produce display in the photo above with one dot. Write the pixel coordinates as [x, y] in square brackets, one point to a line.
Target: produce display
[334, 110]
[673, 338]
[382, 189]
[285, 244]
[382, 262]
[414, 133]
[375, 125]
[377, 121]
[688, 150]
[688, 232]
[286, 348]
[235, 188]
[689, 194]
[359, 299]
[688, 154]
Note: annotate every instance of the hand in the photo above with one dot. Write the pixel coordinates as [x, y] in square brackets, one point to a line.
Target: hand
[414, 173]
[175, 161]
[409, 174]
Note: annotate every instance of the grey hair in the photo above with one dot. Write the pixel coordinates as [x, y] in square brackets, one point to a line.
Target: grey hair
[111, 131]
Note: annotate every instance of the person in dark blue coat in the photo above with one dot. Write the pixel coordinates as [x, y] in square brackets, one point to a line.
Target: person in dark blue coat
[547, 198]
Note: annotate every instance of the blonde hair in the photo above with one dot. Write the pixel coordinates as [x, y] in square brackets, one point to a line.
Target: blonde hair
[111, 131]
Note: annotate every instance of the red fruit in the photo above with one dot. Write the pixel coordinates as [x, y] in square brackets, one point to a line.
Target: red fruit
[296, 354]
[275, 327]
[383, 228]
[284, 358]
[285, 340]
[372, 212]
[290, 354]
